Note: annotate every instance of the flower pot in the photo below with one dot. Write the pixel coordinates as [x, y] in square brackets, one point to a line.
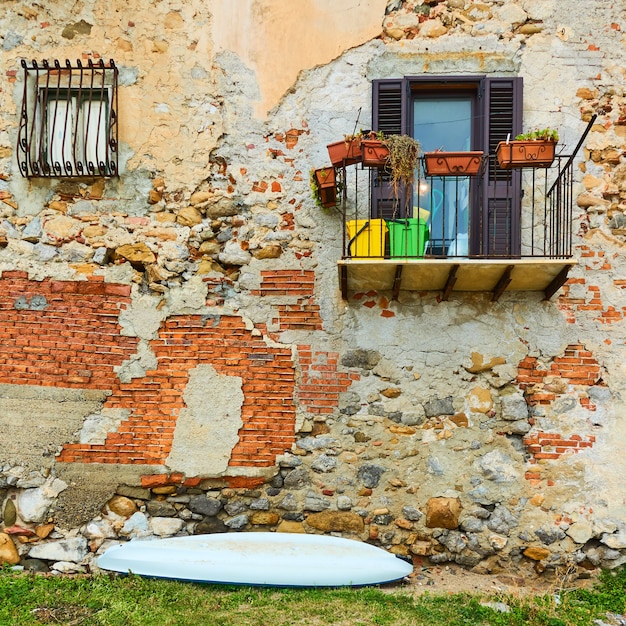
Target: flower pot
[533, 153]
[375, 153]
[453, 163]
[328, 197]
[326, 178]
[345, 152]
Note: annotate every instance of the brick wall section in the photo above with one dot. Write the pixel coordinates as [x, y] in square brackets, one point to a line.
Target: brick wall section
[552, 445]
[67, 334]
[576, 367]
[61, 333]
[155, 401]
[591, 301]
[303, 314]
[300, 316]
[286, 283]
[321, 383]
[149, 481]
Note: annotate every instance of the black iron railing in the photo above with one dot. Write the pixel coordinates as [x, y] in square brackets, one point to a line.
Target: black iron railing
[496, 212]
[68, 121]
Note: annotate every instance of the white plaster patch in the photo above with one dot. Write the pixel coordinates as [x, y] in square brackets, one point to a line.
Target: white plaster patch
[207, 430]
[136, 366]
[97, 426]
[142, 318]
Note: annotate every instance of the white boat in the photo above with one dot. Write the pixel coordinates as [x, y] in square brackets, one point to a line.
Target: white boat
[272, 559]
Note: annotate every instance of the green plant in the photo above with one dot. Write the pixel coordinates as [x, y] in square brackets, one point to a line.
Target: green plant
[543, 134]
[404, 152]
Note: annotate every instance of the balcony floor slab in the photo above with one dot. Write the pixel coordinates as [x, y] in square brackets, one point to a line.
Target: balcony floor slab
[454, 275]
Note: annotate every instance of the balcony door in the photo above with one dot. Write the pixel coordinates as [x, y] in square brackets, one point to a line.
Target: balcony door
[456, 113]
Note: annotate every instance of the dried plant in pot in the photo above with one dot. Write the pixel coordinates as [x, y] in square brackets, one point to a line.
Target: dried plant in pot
[536, 148]
[404, 152]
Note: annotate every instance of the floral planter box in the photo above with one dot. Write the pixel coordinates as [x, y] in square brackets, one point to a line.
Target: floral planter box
[375, 153]
[453, 163]
[533, 153]
[326, 178]
[345, 152]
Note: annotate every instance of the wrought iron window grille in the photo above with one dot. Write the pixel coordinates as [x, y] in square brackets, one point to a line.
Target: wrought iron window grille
[68, 121]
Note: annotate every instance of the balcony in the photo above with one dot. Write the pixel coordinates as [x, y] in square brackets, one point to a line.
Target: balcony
[498, 230]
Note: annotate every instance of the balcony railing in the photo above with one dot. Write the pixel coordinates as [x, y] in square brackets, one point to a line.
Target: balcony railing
[489, 231]
[459, 216]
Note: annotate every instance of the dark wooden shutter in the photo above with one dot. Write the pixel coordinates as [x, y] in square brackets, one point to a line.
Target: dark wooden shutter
[389, 106]
[500, 211]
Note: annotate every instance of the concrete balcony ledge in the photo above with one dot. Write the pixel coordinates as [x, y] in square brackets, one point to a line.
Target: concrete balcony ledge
[451, 275]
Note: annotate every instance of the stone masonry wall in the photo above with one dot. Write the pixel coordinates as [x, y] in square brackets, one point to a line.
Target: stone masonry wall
[175, 354]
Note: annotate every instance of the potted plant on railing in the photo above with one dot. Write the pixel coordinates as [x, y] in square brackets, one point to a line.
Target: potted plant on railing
[324, 186]
[442, 163]
[346, 152]
[374, 149]
[533, 149]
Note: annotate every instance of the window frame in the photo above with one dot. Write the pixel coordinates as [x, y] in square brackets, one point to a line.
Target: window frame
[500, 201]
[63, 132]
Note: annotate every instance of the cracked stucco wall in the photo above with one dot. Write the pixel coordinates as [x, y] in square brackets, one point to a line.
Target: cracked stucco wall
[385, 406]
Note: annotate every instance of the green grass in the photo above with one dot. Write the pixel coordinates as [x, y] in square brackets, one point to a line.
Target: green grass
[30, 599]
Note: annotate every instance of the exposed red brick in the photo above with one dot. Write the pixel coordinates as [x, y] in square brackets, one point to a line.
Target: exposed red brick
[8, 274]
[243, 482]
[155, 480]
[76, 342]
[320, 382]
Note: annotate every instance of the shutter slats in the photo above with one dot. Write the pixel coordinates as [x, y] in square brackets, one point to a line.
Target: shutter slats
[499, 224]
[500, 114]
[389, 118]
[503, 190]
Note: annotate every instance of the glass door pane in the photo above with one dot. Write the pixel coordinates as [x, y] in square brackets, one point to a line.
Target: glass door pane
[442, 122]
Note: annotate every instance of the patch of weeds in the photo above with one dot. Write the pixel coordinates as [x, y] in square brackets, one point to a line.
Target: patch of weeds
[609, 593]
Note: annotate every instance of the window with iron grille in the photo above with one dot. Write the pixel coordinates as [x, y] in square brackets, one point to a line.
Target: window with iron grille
[457, 113]
[68, 121]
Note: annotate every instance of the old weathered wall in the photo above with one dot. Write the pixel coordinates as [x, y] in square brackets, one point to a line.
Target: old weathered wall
[175, 353]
